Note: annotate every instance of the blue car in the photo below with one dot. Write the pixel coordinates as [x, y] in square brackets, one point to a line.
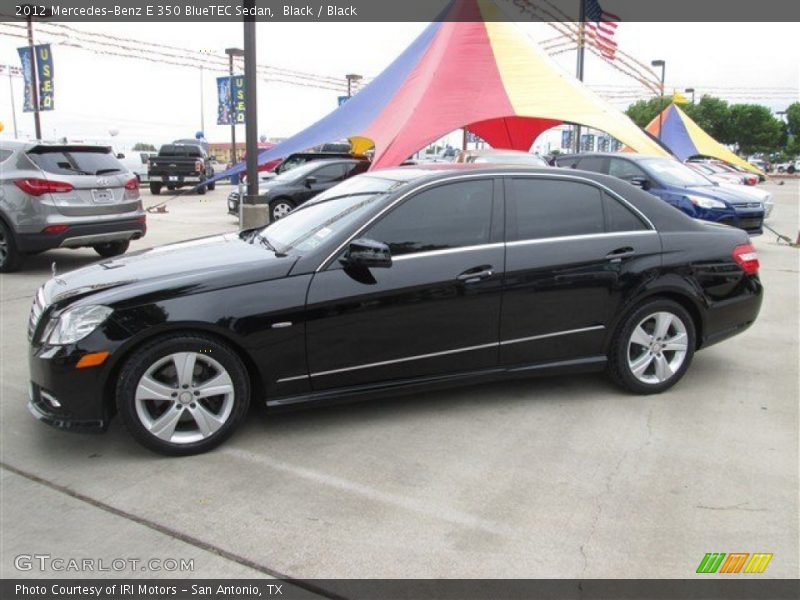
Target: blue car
[677, 184]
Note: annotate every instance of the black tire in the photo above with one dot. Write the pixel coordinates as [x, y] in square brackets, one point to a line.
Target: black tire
[622, 350]
[278, 208]
[201, 190]
[212, 186]
[155, 188]
[791, 169]
[109, 249]
[10, 257]
[160, 349]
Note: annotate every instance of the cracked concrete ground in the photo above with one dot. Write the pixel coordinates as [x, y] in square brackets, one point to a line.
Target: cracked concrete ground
[561, 477]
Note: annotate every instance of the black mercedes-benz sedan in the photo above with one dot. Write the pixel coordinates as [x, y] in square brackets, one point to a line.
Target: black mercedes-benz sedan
[392, 281]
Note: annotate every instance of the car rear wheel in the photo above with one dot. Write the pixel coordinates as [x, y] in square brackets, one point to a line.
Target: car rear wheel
[10, 258]
[183, 395]
[155, 189]
[653, 347]
[212, 186]
[280, 208]
[110, 249]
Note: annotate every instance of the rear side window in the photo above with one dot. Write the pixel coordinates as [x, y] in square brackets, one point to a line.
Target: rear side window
[567, 162]
[619, 217]
[76, 162]
[447, 216]
[542, 208]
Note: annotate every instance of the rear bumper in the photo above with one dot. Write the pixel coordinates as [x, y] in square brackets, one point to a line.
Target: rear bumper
[177, 179]
[84, 234]
[726, 318]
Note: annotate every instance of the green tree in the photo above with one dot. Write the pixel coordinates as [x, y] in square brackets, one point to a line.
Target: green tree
[142, 147]
[644, 111]
[793, 118]
[712, 116]
[753, 128]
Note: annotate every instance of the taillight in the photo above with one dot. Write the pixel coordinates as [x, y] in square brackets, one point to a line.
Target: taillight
[55, 229]
[747, 258]
[132, 184]
[37, 187]
[198, 165]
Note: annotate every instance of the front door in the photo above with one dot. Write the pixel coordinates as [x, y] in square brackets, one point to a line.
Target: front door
[434, 312]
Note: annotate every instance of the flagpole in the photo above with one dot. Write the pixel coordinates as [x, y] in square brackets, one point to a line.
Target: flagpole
[579, 66]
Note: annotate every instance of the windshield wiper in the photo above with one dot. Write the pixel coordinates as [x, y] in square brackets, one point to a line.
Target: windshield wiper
[74, 170]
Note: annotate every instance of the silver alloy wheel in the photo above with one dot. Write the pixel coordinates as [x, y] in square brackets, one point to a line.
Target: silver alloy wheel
[3, 248]
[184, 397]
[280, 210]
[657, 347]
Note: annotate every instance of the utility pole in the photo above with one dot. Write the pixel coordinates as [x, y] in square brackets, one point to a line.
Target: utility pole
[231, 52]
[202, 105]
[34, 83]
[690, 91]
[251, 123]
[351, 79]
[579, 66]
[11, 90]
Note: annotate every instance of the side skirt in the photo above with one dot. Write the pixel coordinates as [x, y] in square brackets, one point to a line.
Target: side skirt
[401, 386]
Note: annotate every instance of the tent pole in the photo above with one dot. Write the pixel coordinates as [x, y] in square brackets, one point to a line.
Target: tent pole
[579, 66]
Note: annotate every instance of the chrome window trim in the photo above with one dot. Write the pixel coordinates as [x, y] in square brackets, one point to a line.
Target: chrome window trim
[567, 238]
[442, 353]
[464, 176]
[554, 334]
[427, 253]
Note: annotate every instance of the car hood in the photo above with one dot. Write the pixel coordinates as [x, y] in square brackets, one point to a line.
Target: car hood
[730, 194]
[185, 267]
[751, 191]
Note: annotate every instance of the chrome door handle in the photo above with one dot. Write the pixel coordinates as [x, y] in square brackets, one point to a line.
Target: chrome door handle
[473, 276]
[620, 253]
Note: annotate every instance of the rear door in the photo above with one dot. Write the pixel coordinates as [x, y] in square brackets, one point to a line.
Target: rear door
[573, 252]
[97, 178]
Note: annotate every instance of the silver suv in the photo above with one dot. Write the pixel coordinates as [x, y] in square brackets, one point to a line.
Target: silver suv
[65, 196]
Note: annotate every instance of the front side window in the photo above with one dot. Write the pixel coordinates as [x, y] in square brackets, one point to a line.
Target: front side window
[624, 169]
[546, 208]
[453, 215]
[328, 173]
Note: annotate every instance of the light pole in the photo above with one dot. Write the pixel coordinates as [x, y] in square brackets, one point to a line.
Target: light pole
[202, 101]
[351, 79]
[690, 91]
[663, 65]
[231, 52]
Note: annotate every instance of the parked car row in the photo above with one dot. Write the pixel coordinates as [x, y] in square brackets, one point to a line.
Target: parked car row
[393, 281]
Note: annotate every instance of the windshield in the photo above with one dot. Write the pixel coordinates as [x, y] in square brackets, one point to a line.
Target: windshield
[671, 172]
[363, 184]
[311, 225]
[509, 159]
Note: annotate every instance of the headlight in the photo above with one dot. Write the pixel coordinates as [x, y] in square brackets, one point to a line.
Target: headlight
[704, 202]
[75, 324]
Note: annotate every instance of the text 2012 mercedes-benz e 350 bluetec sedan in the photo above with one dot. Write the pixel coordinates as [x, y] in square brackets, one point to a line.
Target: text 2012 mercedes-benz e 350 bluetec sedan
[391, 281]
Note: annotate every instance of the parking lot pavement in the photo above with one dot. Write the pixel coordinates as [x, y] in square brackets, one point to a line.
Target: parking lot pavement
[557, 477]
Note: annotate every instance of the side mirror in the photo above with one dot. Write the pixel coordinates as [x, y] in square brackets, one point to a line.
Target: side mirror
[367, 253]
[640, 182]
[310, 181]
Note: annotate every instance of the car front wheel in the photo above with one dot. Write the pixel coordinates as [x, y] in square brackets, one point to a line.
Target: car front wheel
[653, 347]
[280, 208]
[182, 395]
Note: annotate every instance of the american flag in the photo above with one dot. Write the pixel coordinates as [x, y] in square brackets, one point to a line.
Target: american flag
[600, 29]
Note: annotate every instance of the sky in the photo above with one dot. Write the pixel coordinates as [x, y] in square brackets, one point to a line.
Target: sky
[156, 103]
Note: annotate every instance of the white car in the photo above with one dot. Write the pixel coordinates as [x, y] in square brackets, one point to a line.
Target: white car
[788, 167]
[757, 194]
[136, 162]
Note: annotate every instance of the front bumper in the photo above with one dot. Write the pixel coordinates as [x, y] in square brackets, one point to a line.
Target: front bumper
[84, 234]
[40, 405]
